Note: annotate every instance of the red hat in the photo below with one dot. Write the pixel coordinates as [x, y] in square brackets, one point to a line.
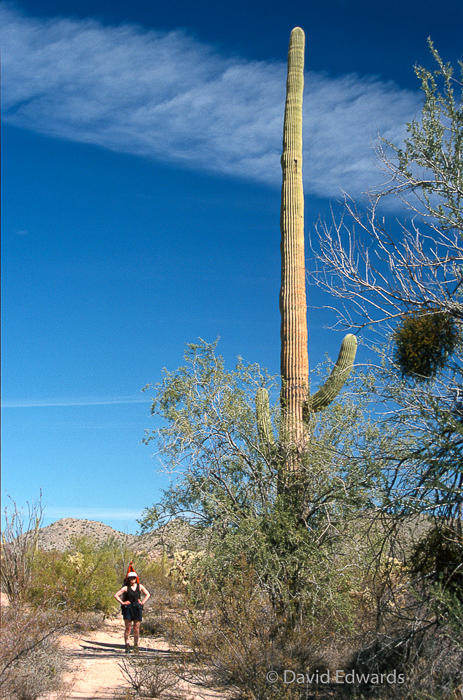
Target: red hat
[131, 570]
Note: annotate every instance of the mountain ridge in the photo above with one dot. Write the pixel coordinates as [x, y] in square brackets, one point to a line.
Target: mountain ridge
[59, 536]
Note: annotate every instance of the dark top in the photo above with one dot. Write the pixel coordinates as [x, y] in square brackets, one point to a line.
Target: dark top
[132, 594]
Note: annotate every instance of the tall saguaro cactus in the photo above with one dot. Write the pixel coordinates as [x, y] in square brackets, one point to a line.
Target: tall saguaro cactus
[294, 359]
[296, 404]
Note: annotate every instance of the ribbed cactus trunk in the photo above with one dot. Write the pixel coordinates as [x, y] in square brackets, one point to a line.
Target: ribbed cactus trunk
[297, 406]
[293, 304]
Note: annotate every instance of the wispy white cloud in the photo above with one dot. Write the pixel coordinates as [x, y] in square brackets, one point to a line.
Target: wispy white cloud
[91, 513]
[47, 403]
[168, 97]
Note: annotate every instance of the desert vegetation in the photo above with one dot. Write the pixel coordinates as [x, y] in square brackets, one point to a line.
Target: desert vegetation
[317, 582]
[47, 593]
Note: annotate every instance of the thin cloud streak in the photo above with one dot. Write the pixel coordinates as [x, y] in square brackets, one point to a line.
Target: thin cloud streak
[168, 97]
[91, 513]
[47, 403]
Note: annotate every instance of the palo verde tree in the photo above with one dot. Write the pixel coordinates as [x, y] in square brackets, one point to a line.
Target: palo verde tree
[224, 480]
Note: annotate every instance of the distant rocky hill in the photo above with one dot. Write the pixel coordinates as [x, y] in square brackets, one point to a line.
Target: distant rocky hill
[60, 535]
[178, 535]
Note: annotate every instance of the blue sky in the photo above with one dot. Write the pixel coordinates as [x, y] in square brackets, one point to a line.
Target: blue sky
[140, 159]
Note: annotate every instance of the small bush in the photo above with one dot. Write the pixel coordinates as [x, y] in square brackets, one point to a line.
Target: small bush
[88, 621]
[37, 673]
[149, 676]
[239, 638]
[152, 626]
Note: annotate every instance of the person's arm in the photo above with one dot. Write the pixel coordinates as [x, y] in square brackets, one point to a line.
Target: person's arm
[146, 594]
[118, 596]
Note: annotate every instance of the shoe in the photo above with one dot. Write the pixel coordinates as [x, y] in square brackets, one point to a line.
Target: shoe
[127, 648]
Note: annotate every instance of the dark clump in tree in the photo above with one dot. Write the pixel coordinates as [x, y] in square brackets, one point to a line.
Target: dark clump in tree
[439, 558]
[423, 344]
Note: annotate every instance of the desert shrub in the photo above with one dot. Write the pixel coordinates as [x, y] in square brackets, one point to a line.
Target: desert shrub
[419, 617]
[87, 575]
[282, 562]
[38, 672]
[236, 636]
[18, 548]
[236, 648]
[83, 577]
[32, 662]
[359, 614]
[426, 662]
[88, 621]
[149, 675]
[152, 625]
[449, 610]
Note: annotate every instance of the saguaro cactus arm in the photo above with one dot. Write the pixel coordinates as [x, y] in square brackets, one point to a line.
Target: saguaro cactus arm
[333, 385]
[264, 424]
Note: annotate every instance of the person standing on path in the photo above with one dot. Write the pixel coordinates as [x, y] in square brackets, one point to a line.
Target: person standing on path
[131, 605]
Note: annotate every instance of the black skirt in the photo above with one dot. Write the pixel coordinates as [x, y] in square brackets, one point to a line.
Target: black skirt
[132, 612]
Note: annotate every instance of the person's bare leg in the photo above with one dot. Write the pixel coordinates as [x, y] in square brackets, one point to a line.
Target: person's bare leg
[128, 625]
[136, 632]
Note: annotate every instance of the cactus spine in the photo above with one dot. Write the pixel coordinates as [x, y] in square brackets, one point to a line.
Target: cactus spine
[296, 404]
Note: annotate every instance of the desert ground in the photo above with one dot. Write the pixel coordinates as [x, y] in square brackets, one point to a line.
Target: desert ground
[95, 672]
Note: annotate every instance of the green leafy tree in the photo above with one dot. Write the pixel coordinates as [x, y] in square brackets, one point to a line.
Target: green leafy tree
[226, 479]
[431, 162]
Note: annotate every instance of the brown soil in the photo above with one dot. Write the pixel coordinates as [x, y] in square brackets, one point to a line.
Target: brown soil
[94, 665]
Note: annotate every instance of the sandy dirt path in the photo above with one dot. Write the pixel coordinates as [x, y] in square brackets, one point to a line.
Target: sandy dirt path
[94, 665]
